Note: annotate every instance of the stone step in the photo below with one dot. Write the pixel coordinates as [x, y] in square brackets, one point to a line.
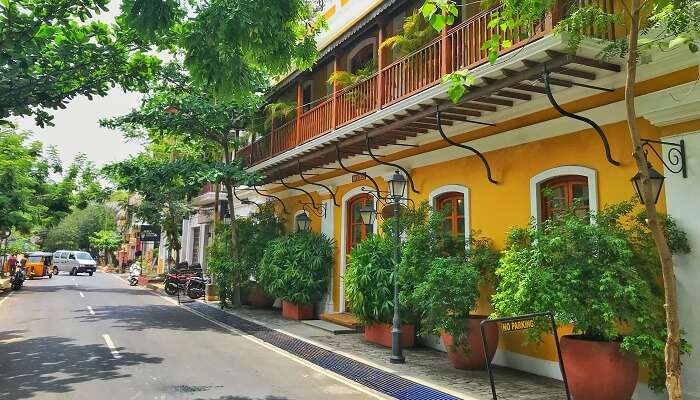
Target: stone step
[345, 319]
[329, 326]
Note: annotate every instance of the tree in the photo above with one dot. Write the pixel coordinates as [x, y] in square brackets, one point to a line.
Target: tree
[266, 39]
[650, 24]
[195, 117]
[164, 188]
[75, 230]
[54, 50]
[106, 241]
[21, 174]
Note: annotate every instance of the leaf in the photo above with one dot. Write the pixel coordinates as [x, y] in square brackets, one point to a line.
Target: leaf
[506, 43]
[455, 92]
[428, 9]
[438, 22]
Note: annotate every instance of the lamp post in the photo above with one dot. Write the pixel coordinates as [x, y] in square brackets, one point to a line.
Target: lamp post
[397, 189]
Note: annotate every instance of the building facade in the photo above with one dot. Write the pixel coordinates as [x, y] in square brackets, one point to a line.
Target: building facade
[487, 160]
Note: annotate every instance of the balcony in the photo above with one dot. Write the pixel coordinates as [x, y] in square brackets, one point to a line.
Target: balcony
[456, 49]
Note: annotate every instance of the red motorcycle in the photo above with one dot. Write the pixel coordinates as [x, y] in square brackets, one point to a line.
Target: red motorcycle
[180, 276]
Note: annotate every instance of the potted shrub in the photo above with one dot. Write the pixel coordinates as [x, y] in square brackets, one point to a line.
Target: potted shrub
[599, 277]
[369, 289]
[448, 295]
[296, 268]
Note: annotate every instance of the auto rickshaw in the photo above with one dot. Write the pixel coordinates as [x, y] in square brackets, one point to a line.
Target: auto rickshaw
[38, 264]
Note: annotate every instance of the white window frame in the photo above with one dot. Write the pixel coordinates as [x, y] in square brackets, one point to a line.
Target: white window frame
[435, 194]
[544, 176]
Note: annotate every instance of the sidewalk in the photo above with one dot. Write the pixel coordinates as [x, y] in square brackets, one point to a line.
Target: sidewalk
[4, 283]
[424, 366]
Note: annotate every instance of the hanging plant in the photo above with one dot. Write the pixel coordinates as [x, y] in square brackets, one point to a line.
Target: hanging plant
[415, 34]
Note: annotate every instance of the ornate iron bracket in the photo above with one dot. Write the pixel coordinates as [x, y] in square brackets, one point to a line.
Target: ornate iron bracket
[313, 203]
[244, 201]
[374, 157]
[596, 127]
[319, 211]
[273, 197]
[464, 146]
[346, 169]
[301, 174]
[675, 155]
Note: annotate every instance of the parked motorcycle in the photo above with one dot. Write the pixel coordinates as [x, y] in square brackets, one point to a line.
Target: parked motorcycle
[17, 278]
[196, 287]
[134, 273]
[180, 276]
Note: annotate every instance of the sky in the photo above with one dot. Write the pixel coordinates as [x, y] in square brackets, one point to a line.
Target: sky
[77, 128]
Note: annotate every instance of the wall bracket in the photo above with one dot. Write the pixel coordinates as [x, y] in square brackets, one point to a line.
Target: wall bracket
[284, 208]
[375, 158]
[303, 178]
[313, 202]
[346, 169]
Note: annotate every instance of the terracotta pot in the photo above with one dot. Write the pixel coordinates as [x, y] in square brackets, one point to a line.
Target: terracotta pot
[475, 358]
[258, 298]
[598, 370]
[143, 280]
[381, 334]
[297, 312]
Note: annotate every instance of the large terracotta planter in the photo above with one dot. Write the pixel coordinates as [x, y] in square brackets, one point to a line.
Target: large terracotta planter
[381, 334]
[475, 358]
[258, 298]
[598, 370]
[297, 312]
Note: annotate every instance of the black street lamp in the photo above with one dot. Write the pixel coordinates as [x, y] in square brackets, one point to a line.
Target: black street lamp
[303, 222]
[656, 180]
[397, 190]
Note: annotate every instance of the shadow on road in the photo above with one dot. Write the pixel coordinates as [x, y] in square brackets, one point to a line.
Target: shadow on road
[139, 318]
[53, 364]
[246, 398]
[57, 288]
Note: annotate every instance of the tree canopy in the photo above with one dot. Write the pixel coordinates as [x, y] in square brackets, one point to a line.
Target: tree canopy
[54, 50]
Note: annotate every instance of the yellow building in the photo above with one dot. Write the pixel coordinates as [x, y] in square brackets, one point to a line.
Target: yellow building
[519, 143]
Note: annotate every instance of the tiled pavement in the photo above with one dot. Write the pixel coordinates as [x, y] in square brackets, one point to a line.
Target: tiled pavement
[423, 363]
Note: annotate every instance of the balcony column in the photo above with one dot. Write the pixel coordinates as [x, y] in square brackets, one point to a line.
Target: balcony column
[334, 111]
[381, 62]
[300, 109]
[552, 17]
[445, 52]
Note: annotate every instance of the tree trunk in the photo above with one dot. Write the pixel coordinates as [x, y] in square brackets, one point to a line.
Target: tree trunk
[672, 350]
[234, 233]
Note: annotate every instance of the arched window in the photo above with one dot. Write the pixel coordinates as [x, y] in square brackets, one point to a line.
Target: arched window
[357, 230]
[558, 194]
[451, 205]
[362, 55]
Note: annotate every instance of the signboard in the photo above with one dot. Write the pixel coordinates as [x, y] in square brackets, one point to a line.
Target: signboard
[358, 177]
[150, 238]
[520, 323]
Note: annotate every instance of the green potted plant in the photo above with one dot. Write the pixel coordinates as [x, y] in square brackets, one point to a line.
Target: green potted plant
[369, 289]
[296, 268]
[449, 294]
[600, 277]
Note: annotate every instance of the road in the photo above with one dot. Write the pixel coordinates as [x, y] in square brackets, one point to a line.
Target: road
[97, 338]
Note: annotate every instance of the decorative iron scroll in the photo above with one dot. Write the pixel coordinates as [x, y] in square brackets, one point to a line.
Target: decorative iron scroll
[375, 158]
[674, 161]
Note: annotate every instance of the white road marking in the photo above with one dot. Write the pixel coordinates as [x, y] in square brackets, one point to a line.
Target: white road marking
[81, 294]
[111, 346]
[92, 312]
[5, 298]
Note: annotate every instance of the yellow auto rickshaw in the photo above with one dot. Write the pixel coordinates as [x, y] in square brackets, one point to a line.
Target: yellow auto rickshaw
[38, 264]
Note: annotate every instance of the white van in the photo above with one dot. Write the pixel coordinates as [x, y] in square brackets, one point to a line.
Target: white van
[73, 262]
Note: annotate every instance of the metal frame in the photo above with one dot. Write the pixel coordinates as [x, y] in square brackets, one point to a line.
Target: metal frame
[520, 318]
[464, 146]
[676, 155]
[313, 202]
[301, 174]
[375, 158]
[244, 201]
[596, 127]
[346, 169]
[284, 208]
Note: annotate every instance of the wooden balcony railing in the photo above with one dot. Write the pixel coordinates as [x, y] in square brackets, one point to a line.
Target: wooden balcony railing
[456, 49]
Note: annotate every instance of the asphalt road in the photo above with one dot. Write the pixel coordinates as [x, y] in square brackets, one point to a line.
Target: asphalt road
[97, 338]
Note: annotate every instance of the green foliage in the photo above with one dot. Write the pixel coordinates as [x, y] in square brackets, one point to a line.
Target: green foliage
[440, 13]
[416, 33]
[21, 174]
[52, 51]
[297, 267]
[369, 280]
[254, 234]
[280, 111]
[602, 278]
[75, 230]
[227, 272]
[106, 241]
[20, 244]
[348, 78]
[459, 81]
